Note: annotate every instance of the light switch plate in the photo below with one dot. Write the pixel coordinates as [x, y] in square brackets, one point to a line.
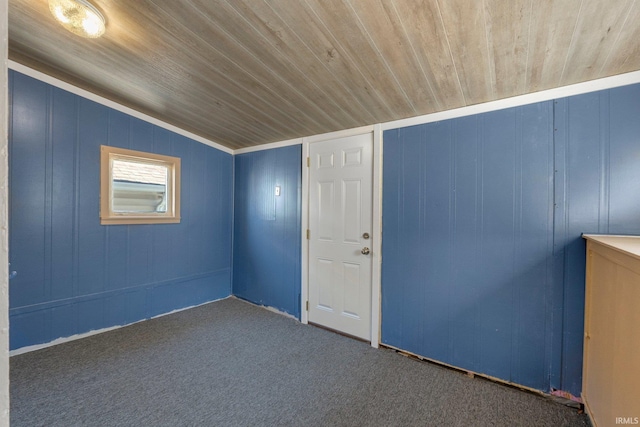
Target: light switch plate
[277, 190]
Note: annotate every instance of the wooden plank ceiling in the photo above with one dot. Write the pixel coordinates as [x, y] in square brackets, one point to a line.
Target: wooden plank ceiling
[248, 72]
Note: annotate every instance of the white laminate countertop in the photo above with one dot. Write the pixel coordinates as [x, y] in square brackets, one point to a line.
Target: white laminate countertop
[626, 244]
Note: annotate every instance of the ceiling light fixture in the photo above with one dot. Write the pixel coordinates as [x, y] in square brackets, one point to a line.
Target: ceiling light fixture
[78, 16]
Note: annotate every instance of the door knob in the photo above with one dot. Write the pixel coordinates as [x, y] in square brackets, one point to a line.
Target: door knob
[365, 251]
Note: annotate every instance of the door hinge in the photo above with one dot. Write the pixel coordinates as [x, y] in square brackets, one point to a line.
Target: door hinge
[308, 234]
[307, 305]
[308, 162]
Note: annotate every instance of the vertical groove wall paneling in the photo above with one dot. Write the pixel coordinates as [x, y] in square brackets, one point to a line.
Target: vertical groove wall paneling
[28, 122]
[467, 241]
[482, 215]
[522, 185]
[267, 251]
[623, 153]
[76, 275]
[598, 159]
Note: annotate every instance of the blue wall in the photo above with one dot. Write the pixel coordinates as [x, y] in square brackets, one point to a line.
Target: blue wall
[266, 240]
[482, 215]
[75, 275]
[597, 155]
[483, 264]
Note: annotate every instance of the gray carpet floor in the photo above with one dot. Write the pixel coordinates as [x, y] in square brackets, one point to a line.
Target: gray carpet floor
[230, 363]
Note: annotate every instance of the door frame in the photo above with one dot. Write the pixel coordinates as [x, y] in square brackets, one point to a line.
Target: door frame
[4, 214]
[376, 224]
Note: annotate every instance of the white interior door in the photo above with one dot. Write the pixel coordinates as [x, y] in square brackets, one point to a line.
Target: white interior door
[340, 234]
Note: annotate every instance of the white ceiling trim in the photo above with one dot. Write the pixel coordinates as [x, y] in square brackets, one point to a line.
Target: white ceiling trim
[279, 144]
[108, 103]
[517, 101]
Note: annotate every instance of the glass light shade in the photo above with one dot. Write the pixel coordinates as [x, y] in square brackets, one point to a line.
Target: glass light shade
[78, 16]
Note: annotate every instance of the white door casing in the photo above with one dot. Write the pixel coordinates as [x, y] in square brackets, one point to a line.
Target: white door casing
[4, 216]
[340, 213]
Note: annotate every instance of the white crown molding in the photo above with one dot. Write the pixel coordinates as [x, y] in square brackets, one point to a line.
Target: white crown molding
[516, 101]
[279, 144]
[23, 69]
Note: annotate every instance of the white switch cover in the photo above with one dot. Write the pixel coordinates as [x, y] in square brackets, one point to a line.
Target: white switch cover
[277, 190]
